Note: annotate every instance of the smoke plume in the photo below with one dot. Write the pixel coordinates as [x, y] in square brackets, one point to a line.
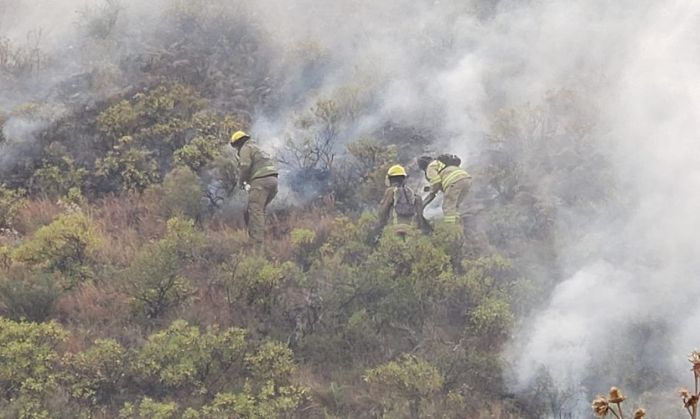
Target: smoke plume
[624, 284]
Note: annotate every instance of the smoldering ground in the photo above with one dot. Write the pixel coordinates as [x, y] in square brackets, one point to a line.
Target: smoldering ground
[623, 268]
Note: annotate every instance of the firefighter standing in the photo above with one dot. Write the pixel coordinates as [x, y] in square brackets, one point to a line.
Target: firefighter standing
[257, 170]
[449, 179]
[400, 207]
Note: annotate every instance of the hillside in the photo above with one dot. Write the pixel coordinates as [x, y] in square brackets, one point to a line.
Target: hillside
[128, 287]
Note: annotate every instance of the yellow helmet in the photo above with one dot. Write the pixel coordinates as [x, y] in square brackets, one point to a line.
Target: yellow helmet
[396, 170]
[237, 136]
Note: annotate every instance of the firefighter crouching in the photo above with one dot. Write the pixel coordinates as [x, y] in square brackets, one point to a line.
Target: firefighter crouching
[444, 175]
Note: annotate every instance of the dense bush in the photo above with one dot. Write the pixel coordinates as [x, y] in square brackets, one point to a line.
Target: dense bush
[156, 279]
[66, 246]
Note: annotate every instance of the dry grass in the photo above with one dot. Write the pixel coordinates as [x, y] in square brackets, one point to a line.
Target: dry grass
[99, 311]
[36, 213]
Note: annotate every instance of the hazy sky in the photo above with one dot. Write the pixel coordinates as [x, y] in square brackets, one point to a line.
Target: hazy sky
[451, 64]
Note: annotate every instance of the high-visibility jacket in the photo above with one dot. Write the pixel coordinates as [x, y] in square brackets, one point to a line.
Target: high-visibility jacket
[442, 177]
[254, 163]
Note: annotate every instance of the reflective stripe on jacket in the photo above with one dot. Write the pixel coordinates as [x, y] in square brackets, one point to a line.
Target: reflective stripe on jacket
[254, 163]
[442, 177]
[452, 174]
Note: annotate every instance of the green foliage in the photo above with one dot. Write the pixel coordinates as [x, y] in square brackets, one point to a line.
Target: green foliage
[348, 242]
[491, 318]
[302, 236]
[117, 121]
[449, 240]
[156, 277]
[211, 136]
[368, 167]
[343, 302]
[181, 357]
[255, 281]
[97, 375]
[271, 362]
[67, 245]
[305, 246]
[160, 112]
[27, 295]
[182, 193]
[149, 409]
[405, 388]
[58, 174]
[270, 402]
[197, 153]
[486, 276]
[10, 203]
[130, 166]
[29, 358]
[143, 133]
[406, 279]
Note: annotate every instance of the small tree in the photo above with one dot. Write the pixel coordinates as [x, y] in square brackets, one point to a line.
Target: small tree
[29, 358]
[97, 375]
[28, 295]
[10, 203]
[149, 409]
[156, 279]
[67, 245]
[182, 193]
[182, 358]
[132, 167]
[255, 281]
[406, 387]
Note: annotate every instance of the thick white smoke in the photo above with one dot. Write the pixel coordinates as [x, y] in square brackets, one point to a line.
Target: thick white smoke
[638, 63]
[449, 65]
[639, 268]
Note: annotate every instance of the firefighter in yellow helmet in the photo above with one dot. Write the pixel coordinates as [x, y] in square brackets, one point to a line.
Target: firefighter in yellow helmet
[446, 177]
[400, 207]
[257, 174]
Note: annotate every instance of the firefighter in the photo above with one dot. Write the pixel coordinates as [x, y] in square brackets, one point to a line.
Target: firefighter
[445, 175]
[400, 207]
[258, 175]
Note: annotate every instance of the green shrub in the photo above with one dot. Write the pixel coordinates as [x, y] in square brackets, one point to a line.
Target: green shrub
[255, 281]
[305, 246]
[97, 375]
[271, 362]
[368, 165]
[156, 280]
[29, 358]
[405, 280]
[129, 166]
[181, 357]
[67, 245]
[492, 319]
[149, 409]
[10, 203]
[58, 174]
[406, 388]
[270, 402]
[27, 295]
[182, 193]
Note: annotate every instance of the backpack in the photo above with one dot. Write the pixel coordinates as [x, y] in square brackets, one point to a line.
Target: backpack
[449, 160]
[404, 202]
